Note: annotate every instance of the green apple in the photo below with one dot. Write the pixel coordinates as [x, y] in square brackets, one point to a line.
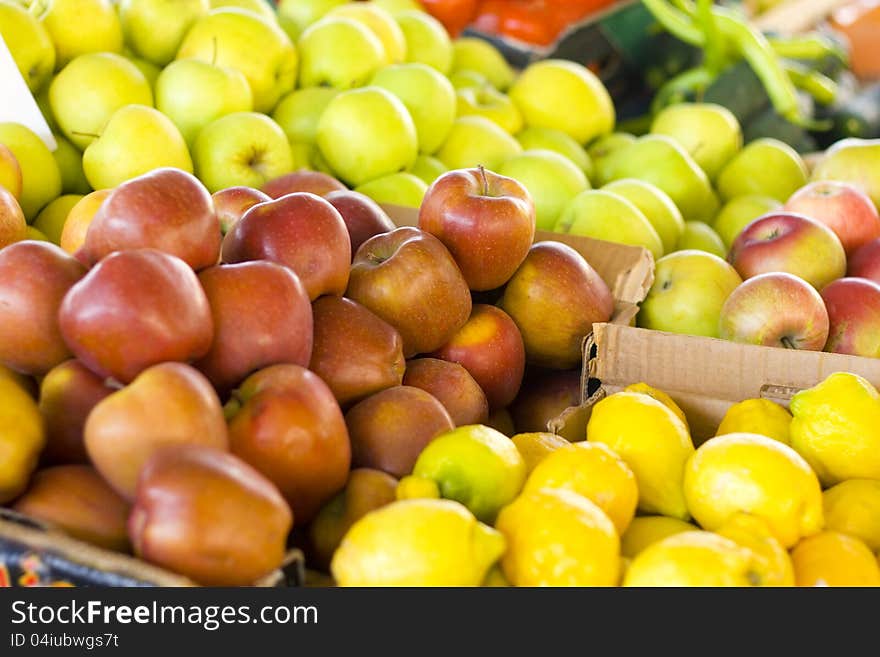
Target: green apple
[90, 89]
[689, 289]
[340, 53]
[601, 150]
[40, 178]
[701, 237]
[427, 41]
[739, 212]
[467, 79]
[400, 188]
[136, 139]
[427, 95]
[381, 23]
[30, 45]
[552, 180]
[50, 221]
[149, 69]
[768, 167]
[492, 104]
[78, 27]
[365, 134]
[69, 161]
[193, 93]
[154, 29]
[428, 168]
[45, 106]
[656, 205]
[555, 93]
[260, 7]
[475, 141]
[245, 148]
[480, 56]
[302, 155]
[294, 16]
[854, 161]
[556, 140]
[709, 132]
[257, 47]
[396, 7]
[606, 216]
[298, 113]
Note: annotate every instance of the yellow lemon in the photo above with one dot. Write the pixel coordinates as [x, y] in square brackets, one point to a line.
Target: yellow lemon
[534, 447]
[836, 428]
[647, 530]
[558, 538]
[695, 558]
[834, 559]
[652, 441]
[760, 416]
[773, 564]
[417, 543]
[22, 437]
[661, 397]
[594, 471]
[853, 507]
[758, 475]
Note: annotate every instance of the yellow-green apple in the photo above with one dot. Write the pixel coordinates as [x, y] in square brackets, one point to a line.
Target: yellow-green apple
[151, 71]
[775, 310]
[79, 27]
[262, 317]
[739, 212]
[87, 92]
[356, 353]
[490, 103]
[709, 132]
[291, 429]
[487, 221]
[427, 168]
[544, 395]
[70, 166]
[853, 161]
[554, 298]
[76, 500]
[209, 516]
[10, 172]
[338, 52]
[409, 279]
[401, 188]
[362, 216]
[565, 95]
[51, 219]
[689, 289]
[13, 227]
[559, 142]
[259, 7]
[854, 312]
[395, 7]
[29, 43]
[427, 41]
[480, 56]
[477, 141]
[166, 404]
[381, 23]
[702, 237]
[298, 113]
[227, 36]
[656, 205]
[136, 140]
[301, 231]
[231, 203]
[604, 215]
[244, 148]
[390, 428]
[792, 243]
[166, 209]
[865, 263]
[79, 218]
[365, 134]
[34, 278]
[68, 393]
[551, 179]
[154, 29]
[845, 209]
[40, 178]
[452, 385]
[134, 309]
[303, 180]
[296, 15]
[601, 150]
[34, 233]
[767, 167]
[465, 78]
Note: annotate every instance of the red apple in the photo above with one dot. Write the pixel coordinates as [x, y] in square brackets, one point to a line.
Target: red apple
[846, 210]
[261, 315]
[554, 298]
[362, 216]
[544, 395]
[854, 311]
[34, 277]
[303, 232]
[13, 227]
[487, 222]
[865, 263]
[314, 182]
[452, 385]
[791, 243]
[775, 310]
[166, 209]
[409, 279]
[231, 203]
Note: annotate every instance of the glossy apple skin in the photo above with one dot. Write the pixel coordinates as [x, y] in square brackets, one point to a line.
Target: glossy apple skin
[490, 347]
[167, 404]
[68, 393]
[231, 203]
[487, 222]
[790, 243]
[34, 278]
[13, 227]
[77, 500]
[292, 430]
[865, 263]
[261, 315]
[314, 182]
[854, 311]
[78, 221]
[135, 309]
[356, 353]
[409, 279]
[543, 396]
[301, 231]
[362, 216]
[166, 209]
[391, 428]
[846, 210]
[554, 298]
[775, 310]
[209, 516]
[452, 385]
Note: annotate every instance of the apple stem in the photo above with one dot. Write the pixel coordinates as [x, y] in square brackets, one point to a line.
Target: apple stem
[788, 343]
[485, 180]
